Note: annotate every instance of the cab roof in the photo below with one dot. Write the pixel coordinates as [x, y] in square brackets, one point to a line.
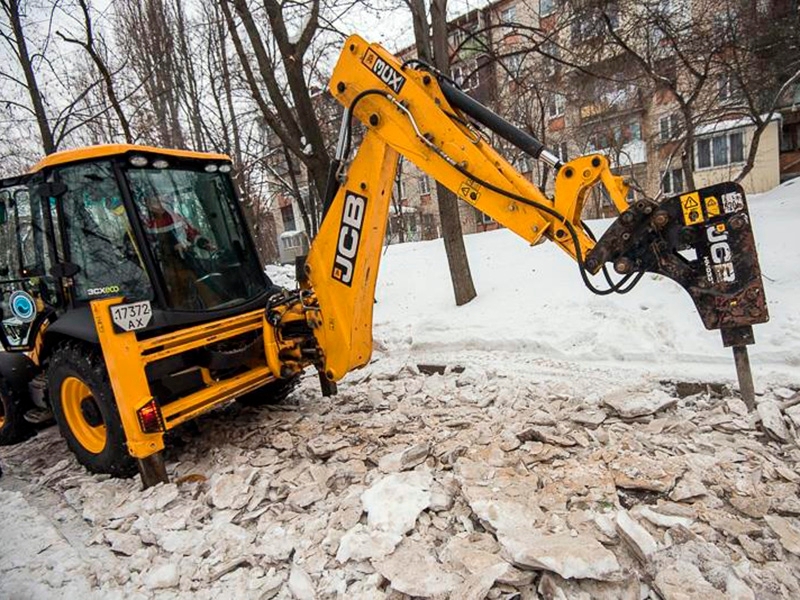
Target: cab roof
[108, 150]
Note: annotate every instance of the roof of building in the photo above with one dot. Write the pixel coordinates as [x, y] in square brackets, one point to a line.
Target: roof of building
[106, 150]
[728, 124]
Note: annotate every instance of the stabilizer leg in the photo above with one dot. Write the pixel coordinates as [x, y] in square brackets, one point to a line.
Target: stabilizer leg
[153, 470]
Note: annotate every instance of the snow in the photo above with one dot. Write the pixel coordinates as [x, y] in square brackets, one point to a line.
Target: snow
[728, 124]
[523, 459]
[532, 301]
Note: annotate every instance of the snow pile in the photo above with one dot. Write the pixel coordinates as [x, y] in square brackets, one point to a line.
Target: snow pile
[282, 275]
[532, 300]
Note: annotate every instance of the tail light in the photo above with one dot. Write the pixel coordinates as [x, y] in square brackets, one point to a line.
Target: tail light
[150, 419]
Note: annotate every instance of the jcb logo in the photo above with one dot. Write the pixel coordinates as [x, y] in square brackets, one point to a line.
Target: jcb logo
[385, 72]
[720, 251]
[349, 237]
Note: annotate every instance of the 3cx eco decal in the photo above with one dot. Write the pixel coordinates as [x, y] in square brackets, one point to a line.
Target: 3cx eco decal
[102, 291]
[349, 237]
[23, 306]
[384, 71]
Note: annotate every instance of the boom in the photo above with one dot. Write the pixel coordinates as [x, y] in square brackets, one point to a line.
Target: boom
[411, 110]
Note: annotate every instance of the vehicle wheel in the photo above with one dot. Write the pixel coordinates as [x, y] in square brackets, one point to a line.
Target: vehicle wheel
[85, 410]
[272, 393]
[13, 426]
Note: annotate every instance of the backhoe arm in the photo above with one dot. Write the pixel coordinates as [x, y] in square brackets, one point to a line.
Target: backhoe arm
[419, 114]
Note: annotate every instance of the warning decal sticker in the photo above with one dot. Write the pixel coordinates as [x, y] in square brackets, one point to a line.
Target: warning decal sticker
[692, 213]
[712, 207]
[469, 191]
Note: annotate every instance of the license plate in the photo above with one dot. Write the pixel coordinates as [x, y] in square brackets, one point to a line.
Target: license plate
[133, 316]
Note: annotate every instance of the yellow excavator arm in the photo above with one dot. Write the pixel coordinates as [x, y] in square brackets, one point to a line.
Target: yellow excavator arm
[412, 110]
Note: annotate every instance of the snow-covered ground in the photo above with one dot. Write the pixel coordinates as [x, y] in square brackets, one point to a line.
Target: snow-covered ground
[532, 301]
[575, 447]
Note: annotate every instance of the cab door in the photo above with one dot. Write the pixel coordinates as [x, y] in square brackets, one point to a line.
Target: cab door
[28, 293]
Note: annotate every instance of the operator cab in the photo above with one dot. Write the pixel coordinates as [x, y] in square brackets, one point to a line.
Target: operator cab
[163, 226]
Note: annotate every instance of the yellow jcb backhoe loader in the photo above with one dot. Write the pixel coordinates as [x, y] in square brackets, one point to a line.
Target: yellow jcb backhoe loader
[133, 301]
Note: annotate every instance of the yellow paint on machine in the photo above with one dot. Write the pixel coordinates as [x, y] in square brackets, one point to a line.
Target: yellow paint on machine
[127, 357]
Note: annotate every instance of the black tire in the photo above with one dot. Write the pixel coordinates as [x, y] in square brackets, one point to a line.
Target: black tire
[13, 426]
[275, 392]
[106, 453]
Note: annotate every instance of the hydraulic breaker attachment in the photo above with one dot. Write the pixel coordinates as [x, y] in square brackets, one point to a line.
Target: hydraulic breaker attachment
[704, 241]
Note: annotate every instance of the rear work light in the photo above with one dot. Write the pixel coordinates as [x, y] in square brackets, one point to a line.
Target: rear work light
[150, 419]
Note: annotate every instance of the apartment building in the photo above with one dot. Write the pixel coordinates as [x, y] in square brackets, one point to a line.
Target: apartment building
[519, 57]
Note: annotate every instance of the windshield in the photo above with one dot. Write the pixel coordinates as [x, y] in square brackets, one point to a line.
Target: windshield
[197, 237]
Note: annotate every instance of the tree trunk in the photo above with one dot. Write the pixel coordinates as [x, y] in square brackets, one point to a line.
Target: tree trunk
[752, 152]
[463, 287]
[193, 101]
[48, 144]
[687, 157]
[399, 204]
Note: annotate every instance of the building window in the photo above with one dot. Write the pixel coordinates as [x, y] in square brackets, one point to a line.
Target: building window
[668, 127]
[513, 64]
[459, 35]
[466, 77]
[547, 6]
[291, 242]
[463, 34]
[672, 181]
[552, 53]
[590, 22]
[287, 216]
[508, 14]
[561, 149]
[616, 136]
[424, 185]
[612, 12]
[737, 147]
[727, 86]
[720, 150]
[555, 108]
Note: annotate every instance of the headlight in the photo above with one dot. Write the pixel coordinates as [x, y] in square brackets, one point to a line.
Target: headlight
[211, 168]
[138, 161]
[160, 164]
[224, 168]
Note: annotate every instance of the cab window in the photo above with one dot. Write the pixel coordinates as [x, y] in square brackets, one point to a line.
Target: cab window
[99, 237]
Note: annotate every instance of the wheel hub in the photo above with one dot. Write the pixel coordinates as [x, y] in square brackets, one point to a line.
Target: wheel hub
[83, 415]
[91, 412]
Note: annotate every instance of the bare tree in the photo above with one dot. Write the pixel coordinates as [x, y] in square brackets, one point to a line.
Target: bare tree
[760, 65]
[147, 30]
[433, 47]
[293, 116]
[190, 94]
[89, 45]
[18, 44]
